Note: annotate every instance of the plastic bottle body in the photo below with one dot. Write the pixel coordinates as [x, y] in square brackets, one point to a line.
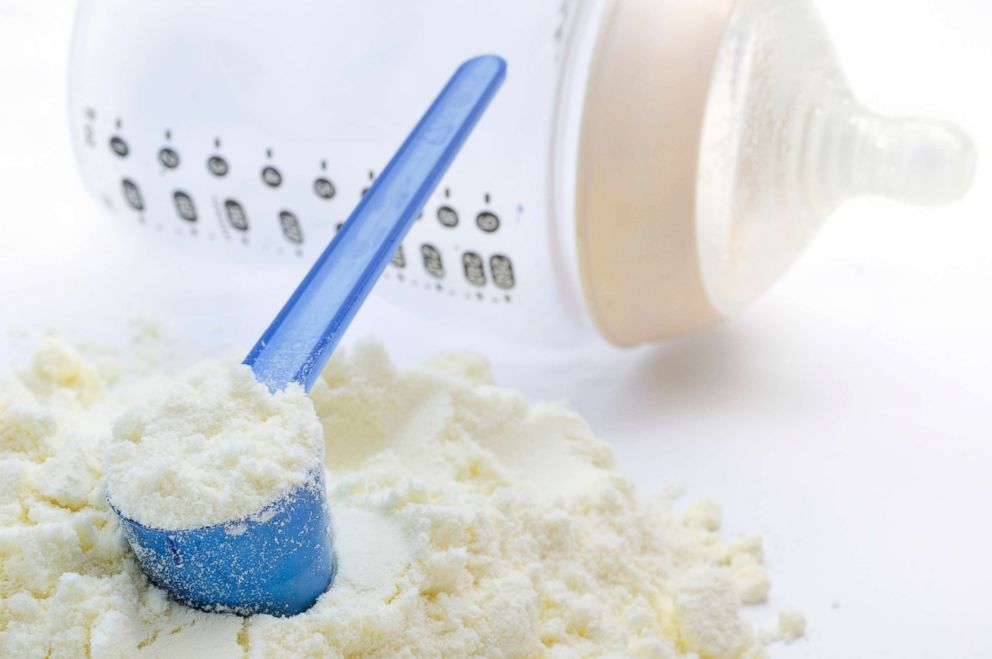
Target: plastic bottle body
[649, 168]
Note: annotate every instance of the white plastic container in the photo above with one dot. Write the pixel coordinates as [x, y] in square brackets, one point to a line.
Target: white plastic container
[650, 165]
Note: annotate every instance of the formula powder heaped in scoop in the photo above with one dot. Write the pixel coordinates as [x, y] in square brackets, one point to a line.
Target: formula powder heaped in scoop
[215, 447]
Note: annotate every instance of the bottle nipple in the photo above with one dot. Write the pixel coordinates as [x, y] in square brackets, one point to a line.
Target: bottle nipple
[688, 211]
[853, 151]
[785, 143]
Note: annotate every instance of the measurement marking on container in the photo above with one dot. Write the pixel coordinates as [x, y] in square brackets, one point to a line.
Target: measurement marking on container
[487, 221]
[291, 227]
[236, 215]
[271, 177]
[324, 188]
[399, 260]
[217, 166]
[475, 268]
[447, 216]
[502, 271]
[169, 158]
[433, 263]
[119, 146]
[132, 195]
[184, 205]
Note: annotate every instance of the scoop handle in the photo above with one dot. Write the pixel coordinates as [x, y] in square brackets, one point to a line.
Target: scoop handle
[300, 340]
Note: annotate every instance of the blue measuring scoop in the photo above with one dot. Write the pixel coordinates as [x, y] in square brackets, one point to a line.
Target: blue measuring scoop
[280, 559]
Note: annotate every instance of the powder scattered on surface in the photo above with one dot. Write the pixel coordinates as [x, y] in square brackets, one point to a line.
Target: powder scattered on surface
[791, 624]
[216, 446]
[791, 627]
[467, 522]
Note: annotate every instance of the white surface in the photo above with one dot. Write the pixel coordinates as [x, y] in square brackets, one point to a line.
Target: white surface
[847, 417]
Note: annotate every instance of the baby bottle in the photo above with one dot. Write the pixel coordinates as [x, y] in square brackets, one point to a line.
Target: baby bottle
[649, 168]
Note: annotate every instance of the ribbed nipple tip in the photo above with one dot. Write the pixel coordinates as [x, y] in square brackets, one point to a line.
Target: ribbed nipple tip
[923, 162]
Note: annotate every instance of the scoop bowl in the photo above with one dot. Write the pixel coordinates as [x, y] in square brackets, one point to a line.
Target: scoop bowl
[277, 561]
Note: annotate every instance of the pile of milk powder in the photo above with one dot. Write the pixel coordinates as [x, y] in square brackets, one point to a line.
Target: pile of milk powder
[467, 521]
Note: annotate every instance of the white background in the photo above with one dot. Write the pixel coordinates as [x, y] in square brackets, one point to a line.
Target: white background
[847, 417]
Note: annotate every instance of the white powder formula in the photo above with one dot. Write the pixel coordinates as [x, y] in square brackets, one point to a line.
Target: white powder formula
[467, 522]
[215, 446]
